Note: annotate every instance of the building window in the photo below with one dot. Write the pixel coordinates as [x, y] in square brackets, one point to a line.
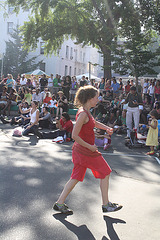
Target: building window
[67, 52]
[10, 9]
[83, 57]
[66, 70]
[43, 66]
[79, 71]
[71, 53]
[75, 71]
[41, 47]
[10, 27]
[70, 71]
[75, 54]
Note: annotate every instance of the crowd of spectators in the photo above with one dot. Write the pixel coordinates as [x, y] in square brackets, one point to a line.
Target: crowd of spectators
[122, 105]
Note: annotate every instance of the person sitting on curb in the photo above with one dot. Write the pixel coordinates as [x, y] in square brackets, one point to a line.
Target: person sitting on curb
[45, 120]
[64, 127]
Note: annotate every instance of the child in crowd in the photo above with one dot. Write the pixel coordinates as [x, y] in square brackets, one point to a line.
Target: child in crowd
[52, 105]
[85, 153]
[152, 137]
[102, 139]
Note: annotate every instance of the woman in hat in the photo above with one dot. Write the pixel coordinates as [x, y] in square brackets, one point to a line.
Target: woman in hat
[62, 104]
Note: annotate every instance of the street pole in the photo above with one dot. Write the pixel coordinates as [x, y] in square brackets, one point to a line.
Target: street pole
[2, 67]
[89, 71]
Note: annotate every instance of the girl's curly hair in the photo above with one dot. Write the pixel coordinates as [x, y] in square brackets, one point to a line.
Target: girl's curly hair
[84, 94]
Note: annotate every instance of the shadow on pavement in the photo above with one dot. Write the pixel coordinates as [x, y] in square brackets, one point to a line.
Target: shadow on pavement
[82, 232]
[110, 229]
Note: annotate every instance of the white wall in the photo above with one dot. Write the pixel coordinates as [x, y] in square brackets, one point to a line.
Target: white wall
[54, 64]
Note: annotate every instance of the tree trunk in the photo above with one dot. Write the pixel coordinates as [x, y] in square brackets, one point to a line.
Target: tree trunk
[107, 63]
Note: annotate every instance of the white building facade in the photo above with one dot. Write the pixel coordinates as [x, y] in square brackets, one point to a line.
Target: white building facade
[72, 59]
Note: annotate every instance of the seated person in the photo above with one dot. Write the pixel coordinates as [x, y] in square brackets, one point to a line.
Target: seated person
[102, 139]
[111, 119]
[28, 96]
[64, 127]
[3, 98]
[120, 126]
[115, 104]
[45, 120]
[52, 105]
[23, 119]
[62, 104]
[47, 98]
[32, 127]
[12, 101]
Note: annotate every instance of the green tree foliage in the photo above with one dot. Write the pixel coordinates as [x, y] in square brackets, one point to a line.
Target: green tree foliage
[97, 22]
[16, 59]
[136, 57]
[150, 13]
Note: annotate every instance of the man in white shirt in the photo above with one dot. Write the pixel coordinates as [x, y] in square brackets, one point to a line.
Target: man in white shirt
[50, 84]
[23, 81]
[37, 96]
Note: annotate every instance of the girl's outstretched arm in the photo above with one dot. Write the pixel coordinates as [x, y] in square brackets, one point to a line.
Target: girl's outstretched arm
[104, 127]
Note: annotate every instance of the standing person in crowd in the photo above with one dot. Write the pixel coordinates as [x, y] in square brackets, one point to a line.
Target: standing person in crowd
[23, 81]
[127, 87]
[43, 82]
[83, 82]
[108, 85]
[151, 90]
[35, 83]
[101, 85]
[115, 88]
[67, 86]
[152, 136]
[9, 82]
[55, 85]
[37, 96]
[74, 87]
[145, 88]
[120, 86]
[134, 100]
[132, 83]
[29, 83]
[32, 127]
[50, 84]
[85, 153]
[62, 104]
[157, 90]
[18, 82]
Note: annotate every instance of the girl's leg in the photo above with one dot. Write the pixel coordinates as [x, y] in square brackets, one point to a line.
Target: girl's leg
[67, 189]
[104, 185]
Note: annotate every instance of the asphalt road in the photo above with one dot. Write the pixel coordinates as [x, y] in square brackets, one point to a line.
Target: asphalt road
[33, 173]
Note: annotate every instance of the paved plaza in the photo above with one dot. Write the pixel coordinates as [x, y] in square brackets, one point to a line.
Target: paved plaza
[33, 173]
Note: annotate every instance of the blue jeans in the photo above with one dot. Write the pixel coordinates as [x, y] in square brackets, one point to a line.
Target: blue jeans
[33, 129]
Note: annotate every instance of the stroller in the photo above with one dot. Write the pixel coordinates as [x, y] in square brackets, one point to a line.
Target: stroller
[133, 141]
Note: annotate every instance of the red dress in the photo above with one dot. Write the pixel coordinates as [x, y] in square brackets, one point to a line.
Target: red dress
[84, 158]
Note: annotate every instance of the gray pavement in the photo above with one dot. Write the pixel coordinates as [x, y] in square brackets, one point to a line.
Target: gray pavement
[33, 173]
